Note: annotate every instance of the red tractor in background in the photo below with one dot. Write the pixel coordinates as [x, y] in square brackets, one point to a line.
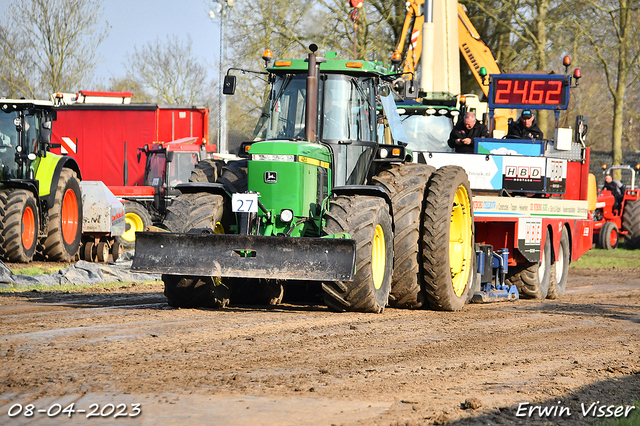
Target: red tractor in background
[167, 165]
[613, 220]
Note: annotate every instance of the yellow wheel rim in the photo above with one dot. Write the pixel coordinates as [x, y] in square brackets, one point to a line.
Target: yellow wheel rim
[133, 223]
[219, 229]
[460, 241]
[378, 257]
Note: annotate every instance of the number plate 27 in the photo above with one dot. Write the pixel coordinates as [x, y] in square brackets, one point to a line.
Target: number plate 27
[244, 203]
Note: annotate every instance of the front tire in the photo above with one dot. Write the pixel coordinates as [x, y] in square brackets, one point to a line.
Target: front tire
[65, 220]
[448, 239]
[195, 292]
[136, 219]
[406, 184]
[186, 213]
[366, 220]
[609, 236]
[20, 225]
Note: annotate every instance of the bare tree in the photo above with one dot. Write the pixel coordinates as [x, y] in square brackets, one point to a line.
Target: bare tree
[610, 29]
[49, 45]
[170, 73]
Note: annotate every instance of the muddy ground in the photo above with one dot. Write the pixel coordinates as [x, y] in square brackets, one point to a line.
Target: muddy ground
[299, 364]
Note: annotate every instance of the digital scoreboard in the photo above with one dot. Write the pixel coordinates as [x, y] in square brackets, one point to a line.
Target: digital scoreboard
[529, 91]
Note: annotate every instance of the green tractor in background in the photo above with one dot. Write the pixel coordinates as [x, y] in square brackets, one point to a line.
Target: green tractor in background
[40, 198]
[322, 197]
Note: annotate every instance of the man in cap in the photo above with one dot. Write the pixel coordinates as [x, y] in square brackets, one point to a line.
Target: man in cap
[525, 127]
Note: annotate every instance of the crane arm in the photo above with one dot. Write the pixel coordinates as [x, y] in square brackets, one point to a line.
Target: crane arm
[409, 49]
[475, 51]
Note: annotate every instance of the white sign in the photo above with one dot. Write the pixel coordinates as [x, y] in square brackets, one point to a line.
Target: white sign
[244, 203]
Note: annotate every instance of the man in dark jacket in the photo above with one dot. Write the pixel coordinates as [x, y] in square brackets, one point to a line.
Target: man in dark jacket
[461, 138]
[617, 190]
[525, 127]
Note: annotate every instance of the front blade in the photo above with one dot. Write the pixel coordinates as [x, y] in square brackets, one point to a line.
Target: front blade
[286, 258]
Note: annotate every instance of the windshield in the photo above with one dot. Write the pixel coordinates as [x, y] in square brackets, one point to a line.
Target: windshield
[348, 108]
[427, 132]
[346, 105]
[283, 113]
[155, 169]
[181, 166]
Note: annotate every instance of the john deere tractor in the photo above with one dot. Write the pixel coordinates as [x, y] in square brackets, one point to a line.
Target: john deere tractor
[321, 197]
[40, 198]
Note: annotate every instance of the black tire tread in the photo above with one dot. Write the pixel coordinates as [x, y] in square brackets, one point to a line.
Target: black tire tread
[437, 284]
[55, 249]
[631, 224]
[12, 203]
[194, 292]
[207, 170]
[356, 215]
[406, 184]
[194, 210]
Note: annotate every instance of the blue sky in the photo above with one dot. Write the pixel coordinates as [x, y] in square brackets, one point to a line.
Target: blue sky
[137, 22]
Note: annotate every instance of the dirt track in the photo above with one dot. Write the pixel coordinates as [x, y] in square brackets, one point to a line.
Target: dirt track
[300, 364]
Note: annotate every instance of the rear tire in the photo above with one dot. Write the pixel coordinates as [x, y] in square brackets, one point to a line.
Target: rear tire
[560, 268]
[207, 171]
[234, 176]
[532, 280]
[20, 225]
[194, 292]
[136, 219]
[366, 220]
[609, 236]
[448, 239]
[631, 224]
[65, 220]
[406, 184]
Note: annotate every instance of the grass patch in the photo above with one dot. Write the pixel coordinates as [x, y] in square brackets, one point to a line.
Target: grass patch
[621, 258]
[75, 288]
[632, 420]
[35, 270]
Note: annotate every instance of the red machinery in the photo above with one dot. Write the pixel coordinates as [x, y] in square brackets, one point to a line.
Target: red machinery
[609, 222]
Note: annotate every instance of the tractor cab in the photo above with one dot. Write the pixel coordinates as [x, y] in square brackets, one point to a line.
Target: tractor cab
[25, 132]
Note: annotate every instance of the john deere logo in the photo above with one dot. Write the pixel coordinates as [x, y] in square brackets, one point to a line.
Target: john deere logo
[270, 177]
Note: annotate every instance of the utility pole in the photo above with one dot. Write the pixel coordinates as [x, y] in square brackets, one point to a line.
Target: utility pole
[220, 8]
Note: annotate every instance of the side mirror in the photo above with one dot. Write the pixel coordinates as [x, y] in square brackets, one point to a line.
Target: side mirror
[411, 89]
[229, 87]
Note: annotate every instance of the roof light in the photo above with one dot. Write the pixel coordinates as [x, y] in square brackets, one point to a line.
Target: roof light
[354, 64]
[396, 58]
[566, 61]
[267, 54]
[604, 167]
[577, 73]
[463, 99]
[283, 63]
[482, 72]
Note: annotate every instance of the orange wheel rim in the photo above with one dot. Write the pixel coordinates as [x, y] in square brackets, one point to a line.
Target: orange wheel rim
[69, 216]
[613, 237]
[28, 228]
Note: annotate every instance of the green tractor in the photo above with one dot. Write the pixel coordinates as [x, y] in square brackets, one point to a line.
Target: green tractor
[321, 197]
[40, 198]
